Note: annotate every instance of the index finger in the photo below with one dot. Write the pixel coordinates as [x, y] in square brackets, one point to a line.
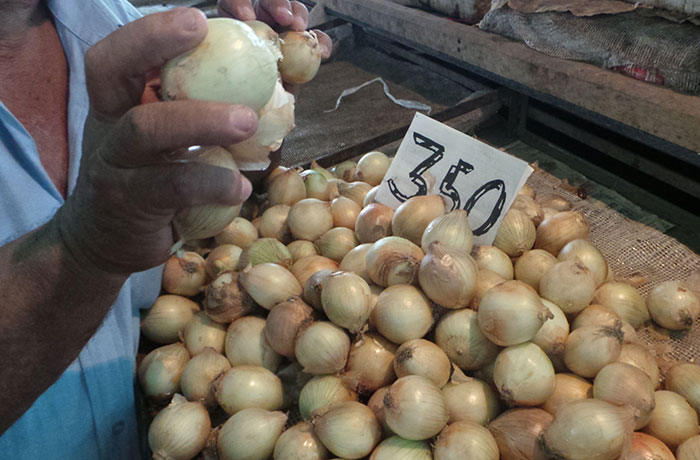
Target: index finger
[116, 66]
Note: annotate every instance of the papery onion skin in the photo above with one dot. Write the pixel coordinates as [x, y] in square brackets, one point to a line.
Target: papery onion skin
[309, 219]
[302, 248]
[370, 363]
[355, 261]
[245, 386]
[690, 449]
[596, 315]
[376, 404]
[250, 434]
[346, 300]
[179, 431]
[345, 212]
[283, 323]
[555, 232]
[396, 447]
[459, 335]
[516, 234]
[356, 191]
[415, 408]
[588, 349]
[336, 243]
[239, 232]
[589, 255]
[287, 188]
[524, 375]
[492, 258]
[451, 229]
[624, 384]
[372, 167]
[485, 280]
[159, 372]
[624, 300]
[300, 443]
[313, 287]
[322, 348]
[265, 250]
[246, 343]
[301, 56]
[274, 223]
[403, 313]
[222, 258]
[568, 388]
[569, 284]
[184, 275]
[201, 332]
[349, 429]
[532, 265]
[673, 306]
[465, 440]
[645, 447]
[199, 373]
[517, 430]
[673, 420]
[167, 317]
[471, 400]
[684, 379]
[304, 268]
[422, 357]
[393, 260]
[258, 279]
[226, 299]
[373, 223]
[447, 276]
[413, 216]
[528, 206]
[552, 336]
[321, 393]
[640, 357]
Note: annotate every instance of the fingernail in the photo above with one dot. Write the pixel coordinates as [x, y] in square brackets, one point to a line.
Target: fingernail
[244, 120]
[298, 24]
[246, 188]
[186, 19]
[284, 16]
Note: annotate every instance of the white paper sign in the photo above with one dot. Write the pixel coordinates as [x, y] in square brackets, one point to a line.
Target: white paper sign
[471, 175]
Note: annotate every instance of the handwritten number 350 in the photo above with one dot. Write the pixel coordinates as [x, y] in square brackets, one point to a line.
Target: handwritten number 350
[447, 185]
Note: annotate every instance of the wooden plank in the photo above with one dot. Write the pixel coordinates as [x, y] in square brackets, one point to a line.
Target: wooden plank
[661, 112]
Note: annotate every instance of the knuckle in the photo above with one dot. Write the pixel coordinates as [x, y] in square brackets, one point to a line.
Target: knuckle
[137, 125]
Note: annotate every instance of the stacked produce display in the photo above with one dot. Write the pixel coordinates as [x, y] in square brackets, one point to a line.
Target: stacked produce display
[327, 325]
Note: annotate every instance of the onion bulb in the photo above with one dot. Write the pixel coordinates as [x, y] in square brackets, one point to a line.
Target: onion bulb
[371, 195]
[568, 388]
[516, 432]
[301, 56]
[322, 348]
[459, 335]
[527, 191]
[372, 167]
[588, 429]
[345, 212]
[376, 404]
[199, 373]
[349, 430]
[249, 67]
[470, 399]
[516, 233]
[553, 201]
[160, 371]
[465, 439]
[265, 32]
[287, 188]
[511, 313]
[403, 313]
[524, 375]
[552, 336]
[447, 276]
[415, 408]
[202, 332]
[553, 233]
[393, 260]
[355, 261]
[492, 258]
[346, 300]
[265, 251]
[673, 420]
[485, 280]
[422, 357]
[300, 443]
[245, 386]
[316, 185]
[167, 318]
[304, 268]
[257, 281]
[532, 265]
[684, 379]
[184, 275]
[246, 343]
[588, 349]
[345, 171]
[250, 434]
[569, 284]
[239, 232]
[640, 357]
[312, 288]
[397, 448]
[645, 447]
[336, 242]
[624, 384]
[370, 363]
[596, 315]
[356, 191]
[689, 450]
[302, 248]
[451, 229]
[309, 219]
[322, 393]
[373, 223]
[673, 306]
[180, 431]
[283, 324]
[528, 206]
[413, 216]
[274, 223]
[589, 255]
[624, 300]
[226, 299]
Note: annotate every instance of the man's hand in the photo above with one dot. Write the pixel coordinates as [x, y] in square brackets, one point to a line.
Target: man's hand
[280, 14]
[134, 176]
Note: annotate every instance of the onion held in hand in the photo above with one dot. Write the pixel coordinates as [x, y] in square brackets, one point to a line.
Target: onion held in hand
[301, 56]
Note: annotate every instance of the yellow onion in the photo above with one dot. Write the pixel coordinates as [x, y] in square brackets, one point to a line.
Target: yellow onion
[180, 431]
[222, 258]
[336, 242]
[451, 229]
[460, 337]
[553, 201]
[245, 386]
[257, 281]
[684, 379]
[250, 434]
[263, 251]
[395, 447]
[596, 315]
[167, 317]
[624, 384]
[673, 420]
[304, 268]
[184, 275]
[527, 191]
[356, 191]
[552, 336]
[300, 443]
[568, 388]
[226, 299]
[322, 393]
[309, 219]
[265, 32]
[159, 372]
[511, 313]
[301, 56]
[588, 349]
[465, 439]
[274, 223]
[589, 255]
[373, 223]
[372, 167]
[322, 348]
[393, 260]
[413, 216]
[287, 188]
[532, 265]
[376, 404]
[569, 284]
[645, 447]
[302, 248]
[422, 357]
[345, 171]
[312, 288]
[470, 399]
[673, 306]
[239, 232]
[602, 431]
[199, 373]
[346, 298]
[524, 375]
[516, 233]
[415, 408]
[528, 206]
[371, 195]
[326, 173]
[492, 258]
[624, 300]
[246, 343]
[202, 332]
[316, 185]
[205, 221]
[640, 357]
[345, 212]
[447, 276]
[355, 261]
[403, 313]
[349, 430]
[283, 324]
[370, 363]
[517, 430]
[689, 450]
[554, 232]
[485, 280]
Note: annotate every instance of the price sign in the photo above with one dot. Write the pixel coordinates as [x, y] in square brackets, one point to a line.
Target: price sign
[434, 158]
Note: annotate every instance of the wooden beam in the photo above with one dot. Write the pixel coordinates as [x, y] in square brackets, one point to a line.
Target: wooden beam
[663, 113]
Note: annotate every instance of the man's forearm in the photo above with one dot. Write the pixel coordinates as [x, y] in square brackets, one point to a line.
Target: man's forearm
[50, 306]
